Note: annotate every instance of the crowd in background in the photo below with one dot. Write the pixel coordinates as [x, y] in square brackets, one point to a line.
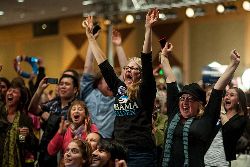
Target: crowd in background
[128, 119]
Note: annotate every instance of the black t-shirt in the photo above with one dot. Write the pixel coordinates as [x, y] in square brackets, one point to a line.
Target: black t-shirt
[133, 122]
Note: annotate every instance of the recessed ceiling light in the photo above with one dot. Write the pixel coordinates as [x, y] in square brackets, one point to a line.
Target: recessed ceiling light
[88, 2]
[1, 13]
[64, 9]
[22, 15]
[20, 1]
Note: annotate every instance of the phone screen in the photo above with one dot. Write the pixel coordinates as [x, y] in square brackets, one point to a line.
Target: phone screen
[52, 80]
[96, 29]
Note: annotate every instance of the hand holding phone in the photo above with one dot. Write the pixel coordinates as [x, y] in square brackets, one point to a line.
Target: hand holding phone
[163, 42]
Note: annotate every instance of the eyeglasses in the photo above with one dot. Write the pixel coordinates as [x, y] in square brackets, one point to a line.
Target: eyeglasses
[190, 99]
[131, 68]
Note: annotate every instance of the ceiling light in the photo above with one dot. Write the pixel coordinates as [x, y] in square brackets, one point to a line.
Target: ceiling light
[190, 12]
[129, 19]
[220, 8]
[44, 26]
[1, 13]
[22, 15]
[20, 1]
[162, 16]
[64, 9]
[88, 2]
[246, 5]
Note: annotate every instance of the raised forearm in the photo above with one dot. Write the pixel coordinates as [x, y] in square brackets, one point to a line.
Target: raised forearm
[122, 58]
[96, 50]
[147, 46]
[226, 77]
[168, 72]
[88, 66]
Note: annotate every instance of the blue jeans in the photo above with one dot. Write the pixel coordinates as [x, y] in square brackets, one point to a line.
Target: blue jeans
[142, 158]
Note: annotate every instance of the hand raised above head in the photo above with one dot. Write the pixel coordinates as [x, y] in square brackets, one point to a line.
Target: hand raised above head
[235, 57]
[116, 37]
[151, 17]
[88, 25]
[167, 50]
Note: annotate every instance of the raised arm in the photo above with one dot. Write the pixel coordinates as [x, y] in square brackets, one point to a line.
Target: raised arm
[165, 53]
[98, 53]
[151, 17]
[117, 41]
[88, 66]
[34, 103]
[229, 72]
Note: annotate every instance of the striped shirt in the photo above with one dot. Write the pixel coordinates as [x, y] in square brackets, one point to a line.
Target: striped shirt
[215, 155]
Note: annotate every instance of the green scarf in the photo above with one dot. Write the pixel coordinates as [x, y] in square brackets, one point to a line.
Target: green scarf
[169, 140]
[11, 157]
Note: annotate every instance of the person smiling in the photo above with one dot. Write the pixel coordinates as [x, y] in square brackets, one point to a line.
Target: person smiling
[77, 154]
[77, 126]
[192, 123]
[134, 96]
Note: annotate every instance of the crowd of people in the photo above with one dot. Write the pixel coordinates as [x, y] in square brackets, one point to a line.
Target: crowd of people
[106, 119]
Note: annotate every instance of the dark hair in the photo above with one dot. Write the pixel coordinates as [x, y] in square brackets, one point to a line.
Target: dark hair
[116, 150]
[18, 80]
[242, 101]
[75, 80]
[85, 149]
[74, 73]
[24, 94]
[6, 81]
[98, 77]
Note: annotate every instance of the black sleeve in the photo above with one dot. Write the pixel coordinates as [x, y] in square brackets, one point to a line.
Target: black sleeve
[110, 77]
[148, 86]
[212, 110]
[40, 76]
[172, 99]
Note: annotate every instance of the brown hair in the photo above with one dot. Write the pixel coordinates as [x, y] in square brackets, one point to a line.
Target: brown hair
[242, 102]
[81, 103]
[85, 150]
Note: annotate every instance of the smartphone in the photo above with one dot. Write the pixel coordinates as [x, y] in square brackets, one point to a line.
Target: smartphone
[163, 42]
[96, 29]
[52, 80]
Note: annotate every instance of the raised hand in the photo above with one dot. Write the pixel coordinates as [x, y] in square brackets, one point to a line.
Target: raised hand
[151, 17]
[88, 25]
[235, 57]
[168, 48]
[116, 37]
[120, 163]
[43, 84]
[63, 126]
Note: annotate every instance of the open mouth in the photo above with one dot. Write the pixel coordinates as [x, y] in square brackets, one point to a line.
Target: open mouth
[9, 98]
[76, 117]
[185, 109]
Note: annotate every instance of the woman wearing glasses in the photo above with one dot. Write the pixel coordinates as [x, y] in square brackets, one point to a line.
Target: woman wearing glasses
[191, 123]
[134, 98]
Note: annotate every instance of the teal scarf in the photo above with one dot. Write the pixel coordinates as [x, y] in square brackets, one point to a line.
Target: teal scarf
[169, 140]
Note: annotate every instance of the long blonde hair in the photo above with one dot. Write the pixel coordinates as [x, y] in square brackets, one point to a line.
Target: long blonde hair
[134, 87]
